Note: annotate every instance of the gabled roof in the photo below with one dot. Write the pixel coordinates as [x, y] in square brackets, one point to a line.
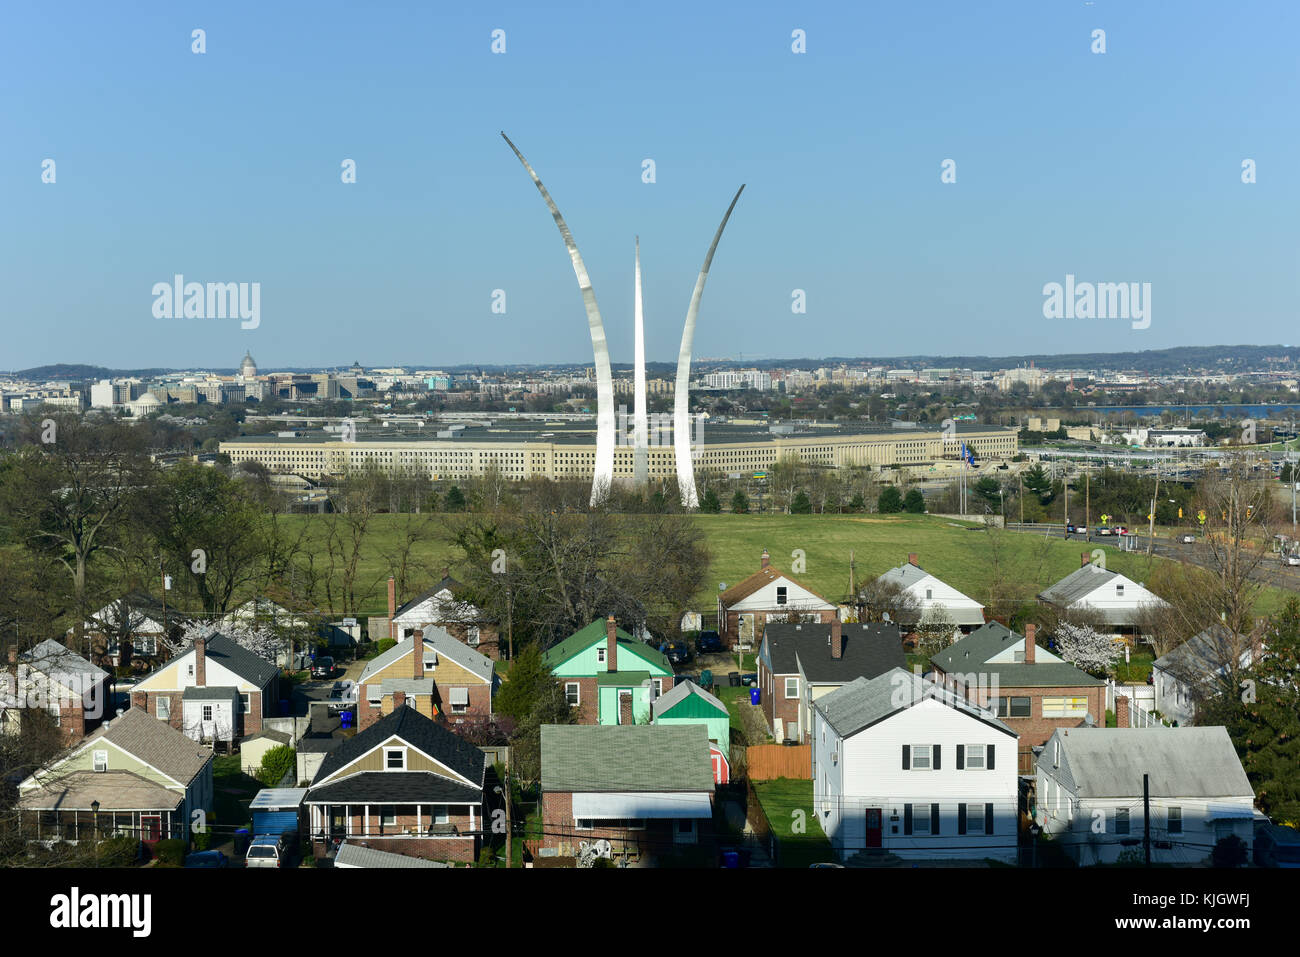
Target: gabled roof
[1204, 653]
[1078, 584]
[54, 659]
[592, 634]
[760, 579]
[447, 582]
[423, 734]
[357, 855]
[626, 757]
[905, 576]
[1180, 762]
[973, 653]
[142, 603]
[154, 742]
[437, 639]
[679, 693]
[866, 701]
[869, 649]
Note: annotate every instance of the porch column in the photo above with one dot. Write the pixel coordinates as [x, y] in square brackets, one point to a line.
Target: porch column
[471, 817]
[419, 825]
[366, 821]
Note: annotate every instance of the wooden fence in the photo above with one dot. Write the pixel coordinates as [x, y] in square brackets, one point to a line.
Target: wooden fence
[766, 762]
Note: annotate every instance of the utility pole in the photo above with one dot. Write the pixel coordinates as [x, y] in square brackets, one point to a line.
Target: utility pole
[1146, 818]
[1065, 519]
[1151, 530]
[1020, 477]
[1087, 505]
[510, 833]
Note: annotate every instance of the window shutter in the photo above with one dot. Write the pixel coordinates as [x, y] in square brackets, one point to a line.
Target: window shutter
[937, 749]
[907, 760]
[988, 819]
[988, 757]
[961, 757]
[934, 819]
[907, 816]
[961, 818]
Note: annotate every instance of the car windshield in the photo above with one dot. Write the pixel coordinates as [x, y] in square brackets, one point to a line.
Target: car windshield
[261, 852]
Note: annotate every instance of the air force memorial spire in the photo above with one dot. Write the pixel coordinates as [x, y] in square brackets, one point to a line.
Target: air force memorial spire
[603, 473]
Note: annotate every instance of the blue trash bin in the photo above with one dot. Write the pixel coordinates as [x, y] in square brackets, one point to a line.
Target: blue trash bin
[345, 719]
[755, 695]
[241, 842]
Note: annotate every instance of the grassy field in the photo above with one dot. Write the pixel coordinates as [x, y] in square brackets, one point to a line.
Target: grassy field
[788, 804]
[959, 553]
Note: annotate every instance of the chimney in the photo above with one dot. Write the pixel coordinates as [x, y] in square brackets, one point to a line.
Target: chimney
[417, 654]
[13, 654]
[1084, 559]
[912, 560]
[1030, 643]
[201, 662]
[837, 640]
[392, 604]
[399, 699]
[1121, 711]
[611, 644]
[763, 561]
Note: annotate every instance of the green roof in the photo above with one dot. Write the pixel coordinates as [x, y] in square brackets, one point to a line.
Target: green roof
[584, 638]
[626, 757]
[622, 679]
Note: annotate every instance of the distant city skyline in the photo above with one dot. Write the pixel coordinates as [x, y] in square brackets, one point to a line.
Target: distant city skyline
[229, 166]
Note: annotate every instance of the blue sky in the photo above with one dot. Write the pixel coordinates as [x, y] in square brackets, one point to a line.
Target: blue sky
[225, 167]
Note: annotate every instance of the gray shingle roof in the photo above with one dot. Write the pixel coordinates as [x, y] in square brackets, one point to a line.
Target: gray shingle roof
[628, 757]
[1180, 762]
[209, 693]
[971, 654]
[1080, 582]
[868, 650]
[1204, 653]
[867, 701]
[254, 669]
[395, 787]
[154, 742]
[52, 658]
[420, 732]
[440, 640]
[354, 855]
[904, 576]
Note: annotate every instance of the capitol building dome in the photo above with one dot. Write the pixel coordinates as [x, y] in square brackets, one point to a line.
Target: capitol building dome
[248, 368]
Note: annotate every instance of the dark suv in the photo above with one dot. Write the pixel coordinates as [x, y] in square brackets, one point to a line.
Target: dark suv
[677, 652]
[708, 643]
[323, 667]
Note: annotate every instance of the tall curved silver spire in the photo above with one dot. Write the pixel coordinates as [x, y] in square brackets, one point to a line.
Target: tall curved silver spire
[640, 424]
[604, 470]
[681, 394]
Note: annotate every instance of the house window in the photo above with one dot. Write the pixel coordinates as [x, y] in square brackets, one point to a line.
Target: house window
[792, 687]
[148, 647]
[441, 814]
[659, 687]
[244, 705]
[975, 757]
[430, 662]
[1065, 707]
[459, 700]
[921, 757]
[780, 594]
[388, 815]
[600, 656]
[374, 694]
[1119, 591]
[395, 759]
[571, 692]
[473, 636]
[1121, 820]
[189, 670]
[1175, 820]
[974, 818]
[207, 712]
[920, 819]
[164, 708]
[101, 760]
[929, 594]
[1013, 707]
[583, 824]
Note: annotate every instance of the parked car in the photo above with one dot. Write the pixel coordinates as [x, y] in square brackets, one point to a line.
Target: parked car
[343, 694]
[207, 859]
[1277, 845]
[266, 850]
[323, 667]
[1069, 528]
[1291, 559]
[708, 643]
[1187, 539]
[677, 652]
[1105, 530]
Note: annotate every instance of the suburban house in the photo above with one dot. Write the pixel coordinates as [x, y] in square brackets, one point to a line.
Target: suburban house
[255, 746]
[213, 690]
[445, 677]
[609, 677]
[745, 608]
[1090, 792]
[1184, 676]
[128, 631]
[646, 789]
[933, 597]
[905, 766]
[406, 785]
[1032, 690]
[49, 676]
[1106, 598]
[688, 703]
[440, 607]
[265, 613]
[797, 664]
[133, 776]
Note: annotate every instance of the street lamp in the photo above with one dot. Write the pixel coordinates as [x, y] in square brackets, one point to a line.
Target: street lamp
[94, 812]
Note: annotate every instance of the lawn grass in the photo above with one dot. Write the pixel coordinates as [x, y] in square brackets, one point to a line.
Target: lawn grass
[1137, 670]
[788, 804]
[233, 790]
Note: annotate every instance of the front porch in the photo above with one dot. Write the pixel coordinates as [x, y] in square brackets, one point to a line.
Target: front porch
[431, 831]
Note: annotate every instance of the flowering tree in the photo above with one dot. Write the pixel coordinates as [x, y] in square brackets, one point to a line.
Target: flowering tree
[262, 640]
[1086, 647]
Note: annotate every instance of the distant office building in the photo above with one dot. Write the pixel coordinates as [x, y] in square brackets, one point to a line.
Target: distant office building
[248, 368]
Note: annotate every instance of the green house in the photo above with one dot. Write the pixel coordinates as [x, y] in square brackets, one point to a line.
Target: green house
[688, 703]
[609, 677]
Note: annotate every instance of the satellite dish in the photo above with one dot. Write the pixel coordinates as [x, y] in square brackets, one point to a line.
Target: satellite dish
[722, 586]
[604, 848]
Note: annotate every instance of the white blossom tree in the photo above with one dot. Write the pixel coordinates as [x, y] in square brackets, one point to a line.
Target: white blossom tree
[1086, 648]
[261, 639]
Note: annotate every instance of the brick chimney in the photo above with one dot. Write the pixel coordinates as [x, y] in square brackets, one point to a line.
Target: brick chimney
[912, 559]
[1121, 711]
[763, 561]
[392, 605]
[399, 699]
[837, 640]
[1030, 643]
[1084, 559]
[13, 655]
[417, 654]
[201, 662]
[611, 644]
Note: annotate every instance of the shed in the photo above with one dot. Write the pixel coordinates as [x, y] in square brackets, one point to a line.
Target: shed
[276, 810]
[254, 747]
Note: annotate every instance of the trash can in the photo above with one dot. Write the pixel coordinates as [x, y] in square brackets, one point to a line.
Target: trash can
[733, 679]
[706, 679]
[241, 842]
[730, 858]
[755, 695]
[345, 719]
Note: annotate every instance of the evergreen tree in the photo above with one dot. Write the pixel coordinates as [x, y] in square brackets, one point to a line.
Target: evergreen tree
[740, 502]
[914, 502]
[801, 505]
[455, 501]
[519, 691]
[890, 501]
[710, 503]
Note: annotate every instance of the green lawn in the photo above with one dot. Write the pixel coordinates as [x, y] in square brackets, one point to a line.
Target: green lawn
[233, 790]
[788, 804]
[1138, 668]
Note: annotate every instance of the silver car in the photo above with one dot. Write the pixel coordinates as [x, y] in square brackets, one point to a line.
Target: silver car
[267, 850]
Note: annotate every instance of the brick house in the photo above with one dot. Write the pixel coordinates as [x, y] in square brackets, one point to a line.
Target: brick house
[446, 678]
[440, 607]
[799, 663]
[213, 690]
[647, 789]
[132, 631]
[1033, 691]
[405, 785]
[608, 676]
[745, 608]
[51, 677]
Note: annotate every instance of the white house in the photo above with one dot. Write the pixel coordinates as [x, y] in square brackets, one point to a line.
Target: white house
[933, 595]
[745, 608]
[1089, 792]
[1113, 599]
[905, 766]
[1186, 674]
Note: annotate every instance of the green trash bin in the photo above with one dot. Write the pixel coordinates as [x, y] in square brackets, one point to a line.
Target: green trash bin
[706, 679]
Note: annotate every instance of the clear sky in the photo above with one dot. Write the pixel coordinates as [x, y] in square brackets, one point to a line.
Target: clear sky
[225, 167]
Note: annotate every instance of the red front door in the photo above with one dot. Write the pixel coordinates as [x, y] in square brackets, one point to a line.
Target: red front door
[150, 827]
[873, 827]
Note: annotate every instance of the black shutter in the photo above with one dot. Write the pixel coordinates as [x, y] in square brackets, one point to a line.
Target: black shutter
[988, 819]
[961, 757]
[934, 819]
[907, 757]
[961, 818]
[907, 816]
[938, 749]
[988, 758]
